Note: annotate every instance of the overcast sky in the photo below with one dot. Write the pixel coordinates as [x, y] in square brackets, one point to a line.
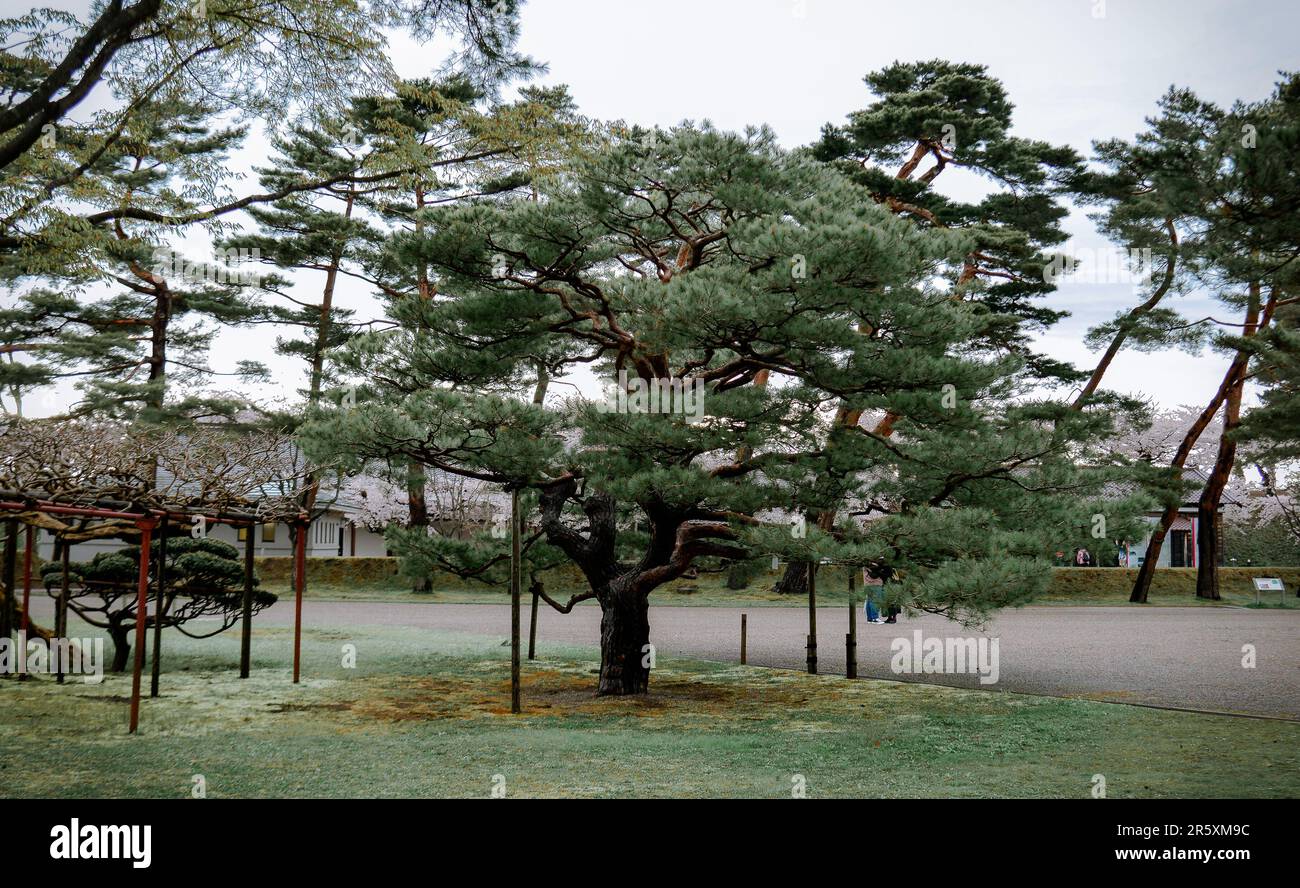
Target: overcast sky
[1077, 70]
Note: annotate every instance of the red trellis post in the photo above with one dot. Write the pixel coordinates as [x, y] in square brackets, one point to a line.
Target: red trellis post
[299, 582]
[141, 617]
[17, 502]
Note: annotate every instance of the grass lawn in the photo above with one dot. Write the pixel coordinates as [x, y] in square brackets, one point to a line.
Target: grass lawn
[425, 714]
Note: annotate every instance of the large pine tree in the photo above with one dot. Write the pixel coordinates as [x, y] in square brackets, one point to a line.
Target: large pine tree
[450, 145]
[699, 260]
[934, 117]
[1216, 187]
[134, 319]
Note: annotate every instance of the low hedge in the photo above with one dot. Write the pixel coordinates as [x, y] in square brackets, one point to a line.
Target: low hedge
[278, 570]
[1067, 582]
[1111, 582]
[375, 573]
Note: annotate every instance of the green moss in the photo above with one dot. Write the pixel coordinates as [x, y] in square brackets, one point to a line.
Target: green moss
[426, 714]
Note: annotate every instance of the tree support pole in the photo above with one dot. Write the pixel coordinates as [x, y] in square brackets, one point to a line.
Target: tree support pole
[812, 617]
[743, 632]
[141, 617]
[27, 578]
[532, 628]
[246, 619]
[159, 607]
[10, 572]
[61, 607]
[300, 582]
[515, 554]
[851, 640]
[27, 590]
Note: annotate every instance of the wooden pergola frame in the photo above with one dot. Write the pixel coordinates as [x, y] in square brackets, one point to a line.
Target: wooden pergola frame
[147, 520]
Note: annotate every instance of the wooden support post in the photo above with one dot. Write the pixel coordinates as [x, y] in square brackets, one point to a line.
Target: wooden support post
[159, 607]
[246, 618]
[515, 554]
[743, 632]
[8, 576]
[141, 617]
[299, 583]
[26, 579]
[532, 629]
[61, 606]
[27, 593]
[851, 640]
[812, 617]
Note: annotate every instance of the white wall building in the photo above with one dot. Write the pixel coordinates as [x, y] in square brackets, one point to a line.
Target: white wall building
[334, 532]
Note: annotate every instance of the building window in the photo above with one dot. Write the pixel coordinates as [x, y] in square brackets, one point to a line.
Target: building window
[243, 534]
[325, 532]
[268, 533]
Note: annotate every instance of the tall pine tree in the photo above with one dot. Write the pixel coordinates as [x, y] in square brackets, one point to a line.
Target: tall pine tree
[687, 263]
[935, 117]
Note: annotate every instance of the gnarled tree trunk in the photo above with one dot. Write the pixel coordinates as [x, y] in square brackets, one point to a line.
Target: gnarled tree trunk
[624, 641]
[121, 636]
[795, 579]
[677, 537]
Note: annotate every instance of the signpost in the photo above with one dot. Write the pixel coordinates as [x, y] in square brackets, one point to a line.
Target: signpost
[1270, 584]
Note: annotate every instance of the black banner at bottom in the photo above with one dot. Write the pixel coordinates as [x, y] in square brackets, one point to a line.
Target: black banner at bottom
[335, 837]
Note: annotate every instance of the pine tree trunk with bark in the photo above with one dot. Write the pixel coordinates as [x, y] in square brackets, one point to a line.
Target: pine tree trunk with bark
[120, 635]
[794, 581]
[418, 512]
[1232, 381]
[1207, 562]
[624, 640]
[676, 538]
